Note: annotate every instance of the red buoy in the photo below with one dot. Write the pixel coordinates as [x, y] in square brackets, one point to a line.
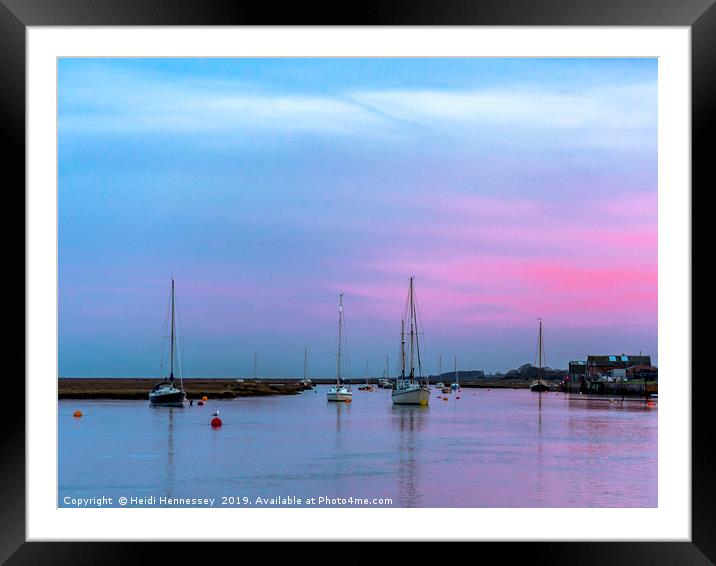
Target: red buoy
[77, 413]
[216, 422]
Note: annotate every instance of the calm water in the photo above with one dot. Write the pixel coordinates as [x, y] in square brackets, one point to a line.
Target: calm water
[496, 448]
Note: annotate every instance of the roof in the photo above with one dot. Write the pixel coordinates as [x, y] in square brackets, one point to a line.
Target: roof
[618, 360]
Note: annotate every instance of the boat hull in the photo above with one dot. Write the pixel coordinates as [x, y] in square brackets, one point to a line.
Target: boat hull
[339, 397]
[412, 396]
[539, 387]
[339, 394]
[174, 399]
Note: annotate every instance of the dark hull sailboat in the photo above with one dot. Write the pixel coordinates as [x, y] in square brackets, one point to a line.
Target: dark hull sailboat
[539, 386]
[165, 393]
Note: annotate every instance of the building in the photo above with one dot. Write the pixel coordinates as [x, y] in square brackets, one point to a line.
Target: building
[615, 366]
[643, 371]
[577, 371]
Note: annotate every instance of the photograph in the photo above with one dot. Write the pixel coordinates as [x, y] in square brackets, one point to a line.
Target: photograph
[357, 282]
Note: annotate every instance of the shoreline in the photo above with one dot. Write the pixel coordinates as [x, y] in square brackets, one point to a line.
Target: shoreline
[138, 388]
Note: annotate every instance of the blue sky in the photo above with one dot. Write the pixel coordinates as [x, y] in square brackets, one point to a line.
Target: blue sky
[510, 188]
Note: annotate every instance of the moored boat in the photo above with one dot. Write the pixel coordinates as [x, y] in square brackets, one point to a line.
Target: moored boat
[410, 389]
[366, 386]
[456, 384]
[539, 386]
[166, 393]
[339, 392]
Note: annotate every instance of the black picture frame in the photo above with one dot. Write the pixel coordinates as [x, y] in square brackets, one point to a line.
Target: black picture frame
[17, 15]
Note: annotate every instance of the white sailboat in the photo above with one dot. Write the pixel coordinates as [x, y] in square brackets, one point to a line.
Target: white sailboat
[384, 382]
[166, 393]
[440, 384]
[410, 389]
[340, 392]
[456, 385]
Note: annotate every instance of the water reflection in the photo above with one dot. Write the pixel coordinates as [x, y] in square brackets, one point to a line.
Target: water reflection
[493, 449]
[342, 461]
[540, 450]
[170, 452]
[163, 418]
[409, 421]
[539, 414]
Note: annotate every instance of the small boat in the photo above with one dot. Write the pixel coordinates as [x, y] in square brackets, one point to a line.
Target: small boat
[340, 392]
[455, 386]
[539, 386]
[410, 389]
[166, 393]
[440, 384]
[366, 386]
[384, 382]
[306, 382]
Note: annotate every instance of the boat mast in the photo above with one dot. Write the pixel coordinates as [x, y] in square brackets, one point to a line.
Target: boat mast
[440, 365]
[305, 363]
[412, 332]
[255, 367]
[417, 331]
[340, 329]
[402, 348]
[171, 362]
[539, 347]
[457, 380]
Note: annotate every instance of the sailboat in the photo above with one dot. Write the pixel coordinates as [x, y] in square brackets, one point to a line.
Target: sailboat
[340, 392]
[440, 384]
[384, 382]
[165, 393]
[307, 382]
[455, 386]
[408, 389]
[539, 385]
[367, 386]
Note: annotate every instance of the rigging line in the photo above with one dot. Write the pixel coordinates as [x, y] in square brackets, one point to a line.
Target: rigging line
[417, 342]
[348, 353]
[179, 338]
[165, 327]
[419, 321]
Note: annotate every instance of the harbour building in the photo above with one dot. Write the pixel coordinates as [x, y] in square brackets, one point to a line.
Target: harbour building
[615, 367]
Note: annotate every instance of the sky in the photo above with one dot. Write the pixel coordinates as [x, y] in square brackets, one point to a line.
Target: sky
[511, 189]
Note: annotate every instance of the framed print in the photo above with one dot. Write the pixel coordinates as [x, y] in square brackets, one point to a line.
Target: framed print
[406, 278]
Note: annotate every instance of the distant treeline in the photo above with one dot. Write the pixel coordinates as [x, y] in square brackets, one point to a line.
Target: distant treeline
[526, 372]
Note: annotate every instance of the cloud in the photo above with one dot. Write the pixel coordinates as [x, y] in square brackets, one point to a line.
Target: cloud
[619, 115]
[104, 100]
